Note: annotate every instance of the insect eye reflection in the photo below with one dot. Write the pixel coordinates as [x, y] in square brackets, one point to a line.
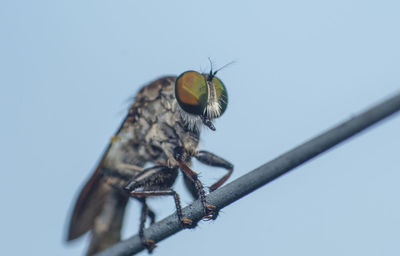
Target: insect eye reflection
[193, 96]
[191, 92]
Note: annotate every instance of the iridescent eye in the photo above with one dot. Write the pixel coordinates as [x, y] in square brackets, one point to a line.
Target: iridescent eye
[222, 94]
[191, 92]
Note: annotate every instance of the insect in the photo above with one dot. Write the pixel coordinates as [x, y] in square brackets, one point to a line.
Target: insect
[162, 127]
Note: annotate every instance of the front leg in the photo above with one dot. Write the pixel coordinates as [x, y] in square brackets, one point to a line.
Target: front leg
[211, 159]
[210, 211]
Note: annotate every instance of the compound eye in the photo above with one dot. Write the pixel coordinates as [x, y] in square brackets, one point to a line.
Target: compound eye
[191, 92]
[222, 94]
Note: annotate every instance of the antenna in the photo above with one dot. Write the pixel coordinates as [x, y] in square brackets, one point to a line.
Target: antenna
[212, 74]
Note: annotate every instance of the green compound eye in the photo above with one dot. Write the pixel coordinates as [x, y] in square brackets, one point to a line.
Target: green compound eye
[191, 92]
[222, 94]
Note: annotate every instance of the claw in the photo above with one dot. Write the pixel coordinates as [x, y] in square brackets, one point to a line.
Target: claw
[150, 245]
[187, 223]
[211, 207]
[211, 212]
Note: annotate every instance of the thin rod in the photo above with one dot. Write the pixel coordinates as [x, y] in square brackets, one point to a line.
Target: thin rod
[260, 176]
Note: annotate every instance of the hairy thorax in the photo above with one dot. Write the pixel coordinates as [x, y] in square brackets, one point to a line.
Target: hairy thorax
[153, 129]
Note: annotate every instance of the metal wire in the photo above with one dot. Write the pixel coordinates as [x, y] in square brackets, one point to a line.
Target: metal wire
[261, 176]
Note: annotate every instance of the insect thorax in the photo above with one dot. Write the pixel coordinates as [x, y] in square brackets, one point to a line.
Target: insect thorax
[152, 130]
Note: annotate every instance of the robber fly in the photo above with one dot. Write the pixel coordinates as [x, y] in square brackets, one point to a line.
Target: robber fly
[162, 127]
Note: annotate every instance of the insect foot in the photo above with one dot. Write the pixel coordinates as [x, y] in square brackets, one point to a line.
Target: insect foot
[211, 212]
[149, 245]
[187, 223]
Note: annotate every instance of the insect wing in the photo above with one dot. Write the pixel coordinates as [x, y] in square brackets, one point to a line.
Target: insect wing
[92, 199]
[89, 204]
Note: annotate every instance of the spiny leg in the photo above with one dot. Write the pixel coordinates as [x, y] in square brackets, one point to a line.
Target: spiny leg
[210, 211]
[185, 222]
[144, 177]
[116, 178]
[155, 181]
[155, 177]
[148, 243]
[191, 187]
[151, 215]
[211, 159]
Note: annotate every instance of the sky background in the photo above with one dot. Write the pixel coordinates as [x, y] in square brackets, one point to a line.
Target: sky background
[68, 70]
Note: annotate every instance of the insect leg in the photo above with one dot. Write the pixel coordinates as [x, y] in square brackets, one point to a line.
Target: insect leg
[149, 244]
[116, 179]
[210, 210]
[151, 215]
[149, 211]
[211, 159]
[154, 181]
[145, 176]
[185, 222]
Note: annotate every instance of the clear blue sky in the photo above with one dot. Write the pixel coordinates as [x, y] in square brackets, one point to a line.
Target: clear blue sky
[69, 68]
